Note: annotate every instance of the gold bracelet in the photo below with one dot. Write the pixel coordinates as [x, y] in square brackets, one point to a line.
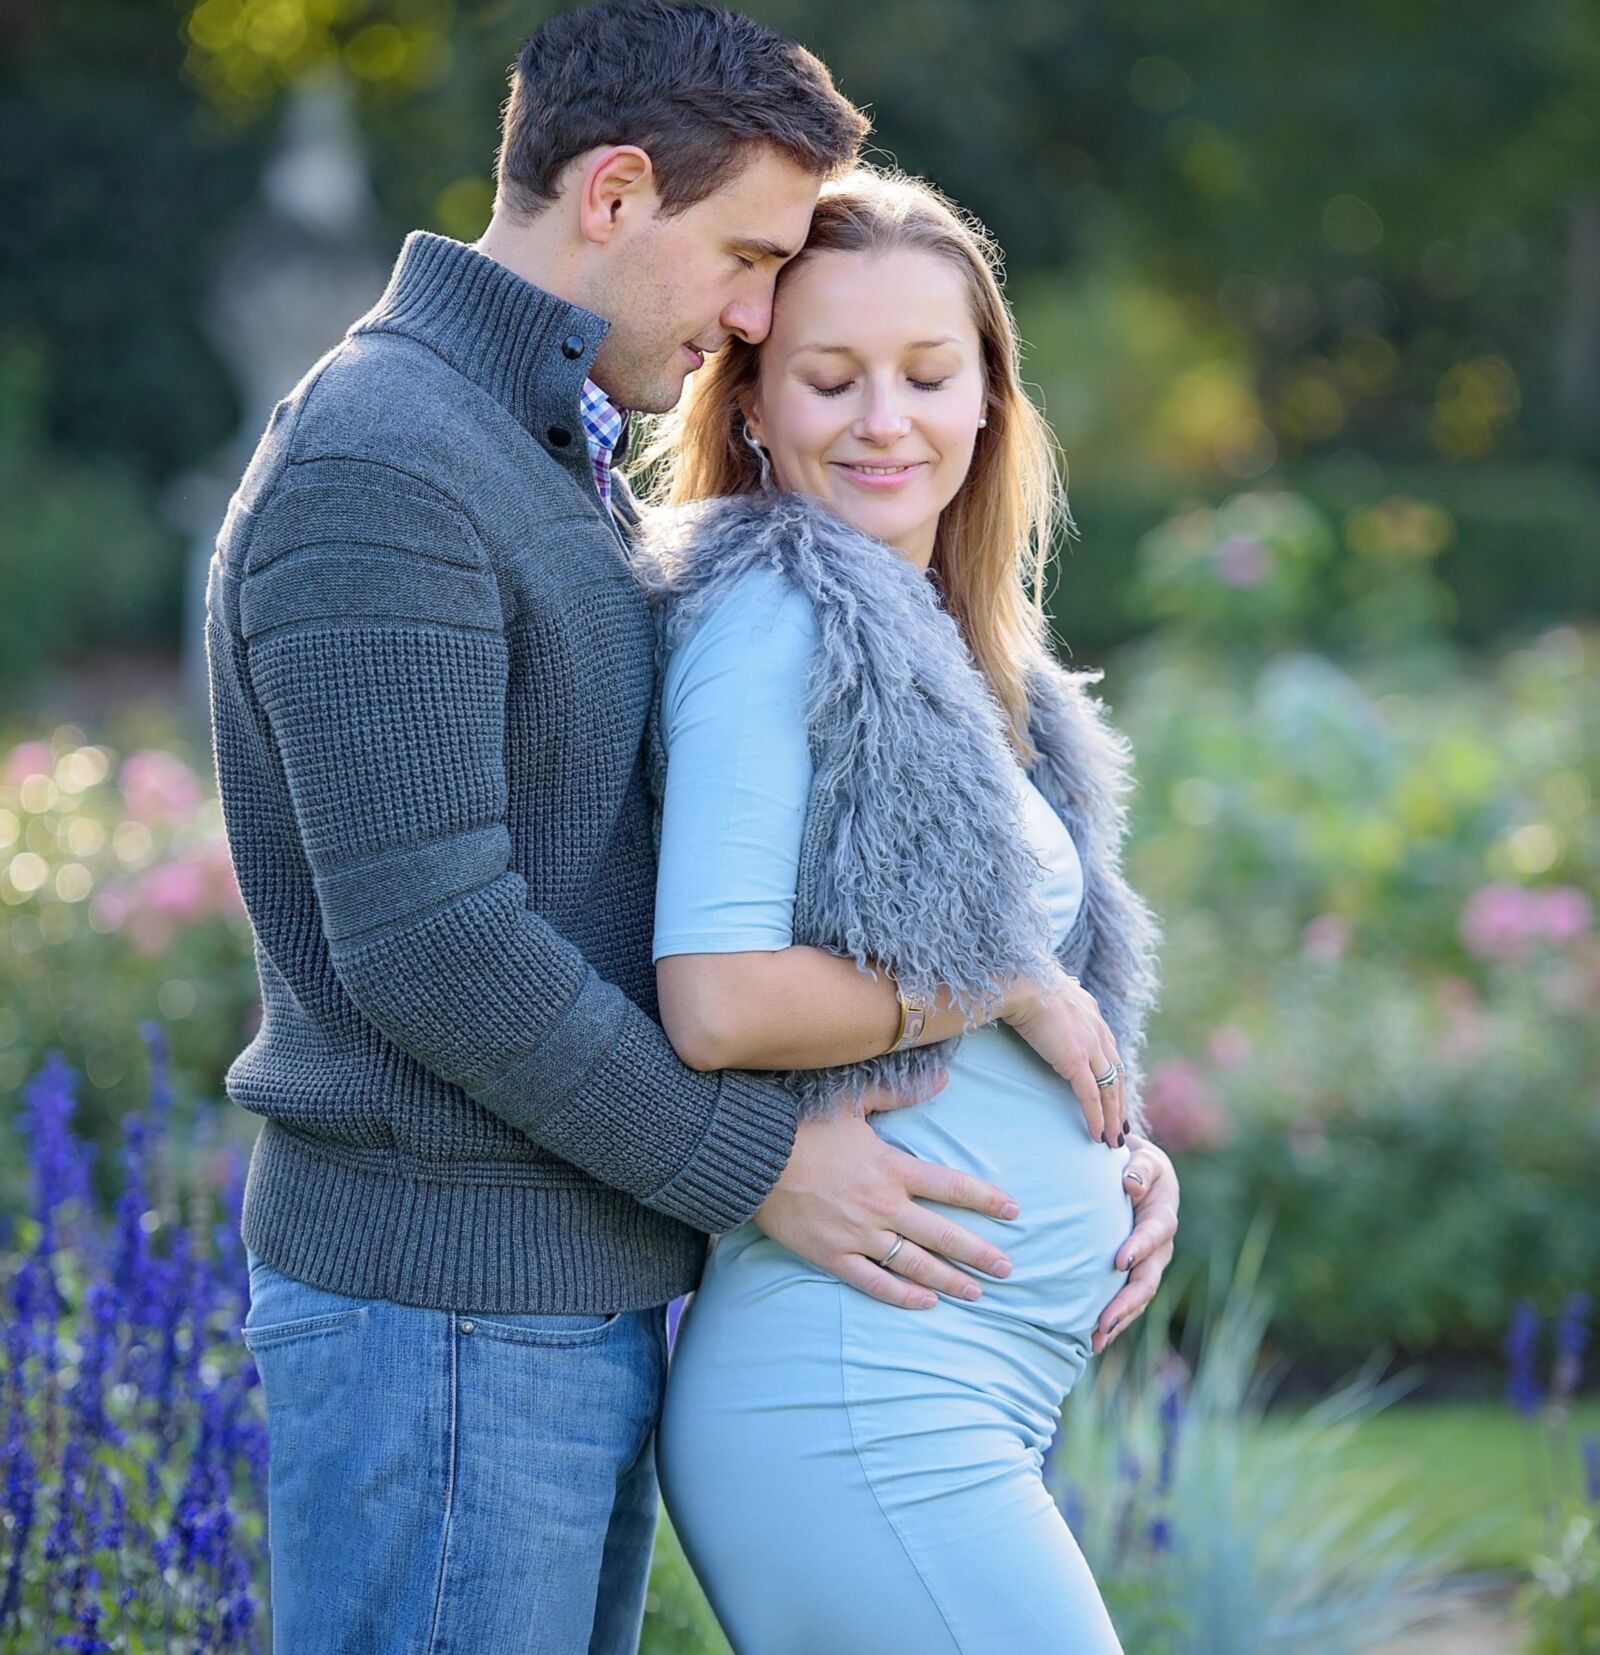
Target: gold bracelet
[914, 1008]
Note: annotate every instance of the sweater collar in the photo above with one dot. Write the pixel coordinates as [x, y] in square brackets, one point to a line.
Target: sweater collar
[526, 348]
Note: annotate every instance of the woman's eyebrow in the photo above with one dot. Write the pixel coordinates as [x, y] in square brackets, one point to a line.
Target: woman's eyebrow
[845, 350]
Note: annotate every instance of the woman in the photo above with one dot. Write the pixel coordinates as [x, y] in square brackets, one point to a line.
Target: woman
[869, 762]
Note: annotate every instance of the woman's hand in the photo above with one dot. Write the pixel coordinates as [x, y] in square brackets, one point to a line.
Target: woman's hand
[1152, 1186]
[1061, 1020]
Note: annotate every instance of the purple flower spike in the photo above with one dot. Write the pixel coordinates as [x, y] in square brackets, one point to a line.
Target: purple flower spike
[1521, 1347]
[1171, 1416]
[1572, 1325]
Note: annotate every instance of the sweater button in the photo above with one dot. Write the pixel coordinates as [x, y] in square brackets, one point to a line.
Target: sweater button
[469, 1327]
[560, 436]
[572, 346]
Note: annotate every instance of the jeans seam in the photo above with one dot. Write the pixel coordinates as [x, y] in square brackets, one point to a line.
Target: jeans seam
[451, 1452]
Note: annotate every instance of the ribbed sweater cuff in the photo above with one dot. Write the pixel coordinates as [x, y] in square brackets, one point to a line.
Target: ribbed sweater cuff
[736, 1163]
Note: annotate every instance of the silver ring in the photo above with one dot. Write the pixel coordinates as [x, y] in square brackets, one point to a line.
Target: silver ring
[888, 1258]
[1109, 1078]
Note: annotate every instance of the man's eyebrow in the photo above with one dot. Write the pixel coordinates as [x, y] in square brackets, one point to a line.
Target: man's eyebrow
[845, 350]
[762, 248]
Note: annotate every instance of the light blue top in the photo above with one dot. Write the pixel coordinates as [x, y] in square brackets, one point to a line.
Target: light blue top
[739, 776]
[738, 781]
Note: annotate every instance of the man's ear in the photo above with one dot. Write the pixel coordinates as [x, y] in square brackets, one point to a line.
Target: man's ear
[616, 182]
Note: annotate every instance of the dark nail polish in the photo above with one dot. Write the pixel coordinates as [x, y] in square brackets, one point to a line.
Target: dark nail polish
[1122, 1138]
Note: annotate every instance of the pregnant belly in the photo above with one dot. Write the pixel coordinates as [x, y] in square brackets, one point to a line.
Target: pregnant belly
[1008, 1118]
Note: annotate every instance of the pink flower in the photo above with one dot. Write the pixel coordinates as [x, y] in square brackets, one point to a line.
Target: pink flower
[1325, 938]
[1182, 1110]
[158, 787]
[1565, 913]
[29, 758]
[111, 906]
[176, 890]
[1229, 1046]
[192, 886]
[1503, 922]
[1243, 561]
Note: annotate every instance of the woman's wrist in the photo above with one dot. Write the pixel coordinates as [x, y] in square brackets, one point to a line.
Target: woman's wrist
[1025, 995]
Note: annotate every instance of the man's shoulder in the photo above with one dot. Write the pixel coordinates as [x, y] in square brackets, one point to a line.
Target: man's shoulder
[383, 397]
[384, 412]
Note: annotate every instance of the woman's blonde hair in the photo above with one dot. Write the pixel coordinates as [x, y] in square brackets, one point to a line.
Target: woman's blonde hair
[994, 539]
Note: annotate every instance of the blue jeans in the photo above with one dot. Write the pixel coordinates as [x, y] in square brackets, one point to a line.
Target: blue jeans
[455, 1484]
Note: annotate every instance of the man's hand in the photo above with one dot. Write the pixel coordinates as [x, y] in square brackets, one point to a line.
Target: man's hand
[1152, 1185]
[846, 1194]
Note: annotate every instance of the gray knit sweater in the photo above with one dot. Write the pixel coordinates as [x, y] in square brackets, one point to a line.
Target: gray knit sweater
[431, 671]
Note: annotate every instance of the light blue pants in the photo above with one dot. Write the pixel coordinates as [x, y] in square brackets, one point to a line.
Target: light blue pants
[851, 1478]
[445, 1484]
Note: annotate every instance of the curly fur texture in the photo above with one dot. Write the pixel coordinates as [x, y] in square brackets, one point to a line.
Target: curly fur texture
[913, 855]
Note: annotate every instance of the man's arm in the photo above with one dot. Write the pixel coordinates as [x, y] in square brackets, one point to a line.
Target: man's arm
[376, 647]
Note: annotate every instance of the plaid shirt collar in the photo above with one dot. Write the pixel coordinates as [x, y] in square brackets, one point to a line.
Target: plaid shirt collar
[602, 430]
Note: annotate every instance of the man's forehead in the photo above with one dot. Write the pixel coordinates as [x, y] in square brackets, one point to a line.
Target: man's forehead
[769, 201]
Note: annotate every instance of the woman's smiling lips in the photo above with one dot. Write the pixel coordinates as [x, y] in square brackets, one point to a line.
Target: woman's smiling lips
[879, 476]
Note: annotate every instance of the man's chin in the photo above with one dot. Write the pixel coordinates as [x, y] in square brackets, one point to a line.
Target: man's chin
[660, 398]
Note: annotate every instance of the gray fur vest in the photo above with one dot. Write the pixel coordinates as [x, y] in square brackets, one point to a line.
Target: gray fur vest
[913, 854]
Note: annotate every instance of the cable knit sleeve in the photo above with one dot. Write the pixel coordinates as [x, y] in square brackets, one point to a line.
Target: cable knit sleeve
[377, 648]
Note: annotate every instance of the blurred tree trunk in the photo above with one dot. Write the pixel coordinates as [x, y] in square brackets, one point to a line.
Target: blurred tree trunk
[1578, 338]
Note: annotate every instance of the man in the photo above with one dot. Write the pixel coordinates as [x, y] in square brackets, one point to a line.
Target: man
[483, 1172]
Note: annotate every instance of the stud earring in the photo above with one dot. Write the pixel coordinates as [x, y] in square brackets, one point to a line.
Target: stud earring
[984, 421]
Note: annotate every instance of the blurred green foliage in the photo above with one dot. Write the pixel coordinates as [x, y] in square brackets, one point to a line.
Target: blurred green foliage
[1381, 966]
[1345, 251]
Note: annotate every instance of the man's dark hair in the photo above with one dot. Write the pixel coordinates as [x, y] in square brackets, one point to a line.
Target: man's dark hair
[695, 87]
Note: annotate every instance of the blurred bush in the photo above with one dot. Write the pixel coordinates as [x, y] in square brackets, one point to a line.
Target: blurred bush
[1381, 969]
[85, 562]
[117, 905]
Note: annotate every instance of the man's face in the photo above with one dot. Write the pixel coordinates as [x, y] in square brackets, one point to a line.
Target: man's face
[674, 289]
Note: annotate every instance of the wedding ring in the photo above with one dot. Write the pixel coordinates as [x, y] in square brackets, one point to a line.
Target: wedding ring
[1109, 1078]
[887, 1259]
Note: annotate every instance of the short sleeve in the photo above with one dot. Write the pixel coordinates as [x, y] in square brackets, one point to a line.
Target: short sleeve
[738, 773]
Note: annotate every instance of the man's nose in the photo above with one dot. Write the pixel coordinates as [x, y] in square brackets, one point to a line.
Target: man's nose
[750, 319]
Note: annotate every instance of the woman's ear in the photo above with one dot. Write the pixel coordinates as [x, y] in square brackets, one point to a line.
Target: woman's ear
[752, 418]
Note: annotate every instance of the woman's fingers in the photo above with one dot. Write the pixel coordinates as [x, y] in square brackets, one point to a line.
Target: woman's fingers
[1130, 1301]
[1081, 1079]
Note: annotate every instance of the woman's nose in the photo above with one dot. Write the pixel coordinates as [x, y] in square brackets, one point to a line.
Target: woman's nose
[883, 422]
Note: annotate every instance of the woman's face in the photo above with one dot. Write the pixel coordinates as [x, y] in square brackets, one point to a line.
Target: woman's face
[871, 388]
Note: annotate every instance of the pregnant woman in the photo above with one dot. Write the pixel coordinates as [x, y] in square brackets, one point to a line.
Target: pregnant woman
[869, 762]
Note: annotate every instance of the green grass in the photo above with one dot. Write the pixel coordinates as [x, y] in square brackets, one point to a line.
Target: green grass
[1476, 1470]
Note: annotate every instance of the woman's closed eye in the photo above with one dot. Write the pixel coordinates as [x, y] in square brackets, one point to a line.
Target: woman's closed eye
[839, 390]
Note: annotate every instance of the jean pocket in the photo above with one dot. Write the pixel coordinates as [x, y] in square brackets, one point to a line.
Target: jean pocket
[260, 1335]
[539, 1328]
[284, 1309]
